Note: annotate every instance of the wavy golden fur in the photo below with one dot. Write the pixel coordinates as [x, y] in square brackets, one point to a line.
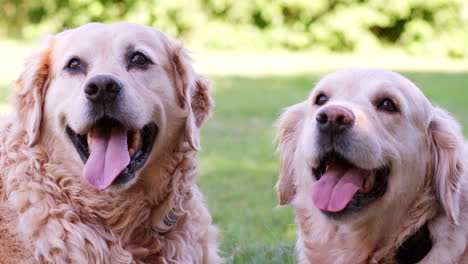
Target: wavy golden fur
[48, 214]
[428, 159]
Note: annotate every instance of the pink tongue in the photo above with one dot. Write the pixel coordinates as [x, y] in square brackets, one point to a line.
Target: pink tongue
[108, 157]
[336, 187]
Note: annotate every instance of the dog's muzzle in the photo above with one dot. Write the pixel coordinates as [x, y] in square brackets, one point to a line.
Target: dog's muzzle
[113, 148]
[341, 187]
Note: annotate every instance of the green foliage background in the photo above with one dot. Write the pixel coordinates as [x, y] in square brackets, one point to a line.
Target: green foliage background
[419, 27]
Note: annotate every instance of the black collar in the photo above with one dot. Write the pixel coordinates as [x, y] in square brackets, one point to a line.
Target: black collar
[415, 248]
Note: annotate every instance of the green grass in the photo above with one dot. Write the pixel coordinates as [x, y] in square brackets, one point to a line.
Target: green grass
[238, 165]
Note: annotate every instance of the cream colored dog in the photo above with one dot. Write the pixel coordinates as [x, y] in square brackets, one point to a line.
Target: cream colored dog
[98, 159]
[376, 174]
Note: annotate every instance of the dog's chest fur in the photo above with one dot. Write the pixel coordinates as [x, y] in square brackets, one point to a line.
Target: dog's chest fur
[12, 247]
[335, 244]
[413, 250]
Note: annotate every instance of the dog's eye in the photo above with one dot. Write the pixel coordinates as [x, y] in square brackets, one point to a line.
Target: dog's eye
[75, 65]
[138, 59]
[387, 105]
[321, 99]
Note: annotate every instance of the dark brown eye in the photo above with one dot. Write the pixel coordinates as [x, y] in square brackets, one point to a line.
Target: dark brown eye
[321, 99]
[75, 65]
[138, 59]
[387, 105]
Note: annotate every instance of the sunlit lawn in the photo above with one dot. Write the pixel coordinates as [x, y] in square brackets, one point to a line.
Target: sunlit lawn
[238, 164]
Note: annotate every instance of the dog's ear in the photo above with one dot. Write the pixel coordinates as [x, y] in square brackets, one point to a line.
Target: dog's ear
[288, 134]
[193, 90]
[446, 164]
[31, 89]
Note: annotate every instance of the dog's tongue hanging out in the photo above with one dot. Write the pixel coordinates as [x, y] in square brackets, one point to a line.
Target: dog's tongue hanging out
[337, 186]
[108, 156]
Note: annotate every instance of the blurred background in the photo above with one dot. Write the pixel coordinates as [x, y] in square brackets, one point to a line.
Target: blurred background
[262, 56]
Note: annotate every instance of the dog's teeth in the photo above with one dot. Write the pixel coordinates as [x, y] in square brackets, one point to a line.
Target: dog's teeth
[135, 144]
[131, 152]
[368, 184]
[137, 139]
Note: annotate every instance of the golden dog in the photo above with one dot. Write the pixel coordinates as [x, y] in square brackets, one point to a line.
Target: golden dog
[376, 174]
[98, 159]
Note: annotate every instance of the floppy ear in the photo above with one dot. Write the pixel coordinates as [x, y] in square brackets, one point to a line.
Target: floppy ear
[288, 126]
[31, 89]
[446, 165]
[193, 92]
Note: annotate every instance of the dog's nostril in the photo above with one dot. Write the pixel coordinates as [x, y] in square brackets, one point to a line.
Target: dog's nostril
[344, 120]
[322, 118]
[113, 88]
[340, 119]
[91, 89]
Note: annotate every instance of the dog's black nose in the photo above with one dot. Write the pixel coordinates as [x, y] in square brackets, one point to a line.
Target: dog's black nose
[334, 119]
[103, 88]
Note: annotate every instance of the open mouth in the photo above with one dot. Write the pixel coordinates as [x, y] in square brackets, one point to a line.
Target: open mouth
[111, 152]
[342, 188]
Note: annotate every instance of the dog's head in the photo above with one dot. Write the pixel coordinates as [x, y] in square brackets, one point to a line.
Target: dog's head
[365, 141]
[111, 98]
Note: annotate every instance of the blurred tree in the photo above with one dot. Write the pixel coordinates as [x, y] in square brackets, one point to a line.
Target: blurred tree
[64, 13]
[436, 27]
